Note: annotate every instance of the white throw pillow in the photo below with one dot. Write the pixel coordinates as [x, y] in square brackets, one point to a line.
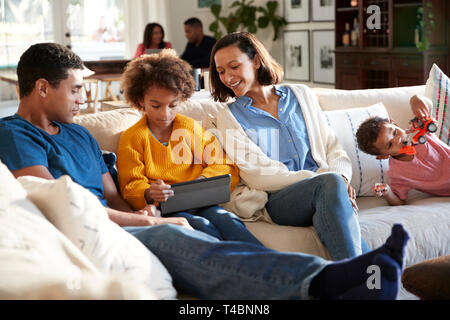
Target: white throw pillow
[10, 189]
[77, 213]
[366, 169]
[39, 262]
[438, 91]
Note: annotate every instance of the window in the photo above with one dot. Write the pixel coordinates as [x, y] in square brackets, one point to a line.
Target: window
[94, 29]
[23, 23]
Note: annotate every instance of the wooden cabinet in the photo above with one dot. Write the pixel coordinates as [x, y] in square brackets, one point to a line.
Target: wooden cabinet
[385, 54]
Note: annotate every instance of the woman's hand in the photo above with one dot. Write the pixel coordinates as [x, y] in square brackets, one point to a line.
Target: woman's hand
[158, 191]
[351, 194]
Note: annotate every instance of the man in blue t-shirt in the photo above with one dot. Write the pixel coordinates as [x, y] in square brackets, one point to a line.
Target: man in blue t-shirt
[198, 49]
[41, 140]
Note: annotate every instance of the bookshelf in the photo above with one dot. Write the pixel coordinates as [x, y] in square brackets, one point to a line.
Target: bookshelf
[385, 54]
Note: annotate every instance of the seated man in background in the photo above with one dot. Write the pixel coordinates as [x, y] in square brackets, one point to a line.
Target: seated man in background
[41, 140]
[198, 49]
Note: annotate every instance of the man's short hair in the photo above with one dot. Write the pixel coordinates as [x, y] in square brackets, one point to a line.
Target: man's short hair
[49, 61]
[367, 134]
[194, 22]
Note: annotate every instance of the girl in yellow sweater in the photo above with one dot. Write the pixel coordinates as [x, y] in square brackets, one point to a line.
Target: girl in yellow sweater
[165, 147]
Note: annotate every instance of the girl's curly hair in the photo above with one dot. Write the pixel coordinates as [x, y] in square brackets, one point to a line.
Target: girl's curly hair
[164, 70]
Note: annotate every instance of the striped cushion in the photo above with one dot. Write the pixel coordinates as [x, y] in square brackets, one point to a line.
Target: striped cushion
[437, 90]
[366, 169]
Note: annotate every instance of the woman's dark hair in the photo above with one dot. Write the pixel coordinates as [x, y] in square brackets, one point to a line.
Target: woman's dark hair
[164, 70]
[148, 35]
[367, 134]
[49, 61]
[270, 72]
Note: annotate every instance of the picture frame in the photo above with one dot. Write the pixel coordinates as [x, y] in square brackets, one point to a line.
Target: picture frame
[324, 58]
[323, 10]
[296, 55]
[205, 5]
[296, 10]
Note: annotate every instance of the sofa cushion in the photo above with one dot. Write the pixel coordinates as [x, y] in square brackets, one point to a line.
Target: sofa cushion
[438, 91]
[396, 100]
[429, 280]
[106, 127]
[10, 189]
[39, 262]
[366, 169]
[78, 214]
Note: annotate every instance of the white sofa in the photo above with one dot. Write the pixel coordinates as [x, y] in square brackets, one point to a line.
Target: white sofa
[426, 218]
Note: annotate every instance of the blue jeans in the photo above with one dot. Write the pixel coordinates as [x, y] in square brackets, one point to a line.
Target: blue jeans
[207, 268]
[322, 202]
[219, 223]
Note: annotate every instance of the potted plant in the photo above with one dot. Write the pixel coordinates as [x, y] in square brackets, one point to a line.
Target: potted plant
[247, 17]
[424, 27]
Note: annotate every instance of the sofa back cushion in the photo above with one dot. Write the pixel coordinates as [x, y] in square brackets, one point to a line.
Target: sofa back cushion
[106, 127]
[396, 100]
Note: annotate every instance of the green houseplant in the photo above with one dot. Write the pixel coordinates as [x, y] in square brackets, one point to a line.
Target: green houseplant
[247, 17]
[426, 23]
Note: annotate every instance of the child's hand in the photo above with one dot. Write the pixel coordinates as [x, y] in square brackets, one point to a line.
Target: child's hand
[420, 105]
[159, 191]
[149, 210]
[381, 189]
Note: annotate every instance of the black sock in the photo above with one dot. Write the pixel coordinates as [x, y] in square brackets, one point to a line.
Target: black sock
[341, 277]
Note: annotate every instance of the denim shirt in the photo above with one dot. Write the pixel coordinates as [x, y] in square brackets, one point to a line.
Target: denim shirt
[284, 139]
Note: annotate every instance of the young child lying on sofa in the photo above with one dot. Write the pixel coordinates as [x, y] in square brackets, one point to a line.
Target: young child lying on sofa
[426, 170]
[151, 155]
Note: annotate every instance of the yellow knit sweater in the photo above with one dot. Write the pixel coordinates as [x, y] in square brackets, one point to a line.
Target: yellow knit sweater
[192, 151]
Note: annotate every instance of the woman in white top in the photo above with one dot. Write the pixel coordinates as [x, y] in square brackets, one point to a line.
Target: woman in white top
[292, 154]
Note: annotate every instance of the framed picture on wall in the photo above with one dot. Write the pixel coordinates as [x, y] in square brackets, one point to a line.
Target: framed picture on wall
[296, 55]
[323, 53]
[206, 4]
[296, 10]
[322, 10]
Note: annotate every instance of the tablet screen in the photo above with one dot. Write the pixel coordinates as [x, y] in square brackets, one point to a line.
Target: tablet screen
[197, 194]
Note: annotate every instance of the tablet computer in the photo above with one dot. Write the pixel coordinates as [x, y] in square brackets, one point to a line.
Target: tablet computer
[197, 194]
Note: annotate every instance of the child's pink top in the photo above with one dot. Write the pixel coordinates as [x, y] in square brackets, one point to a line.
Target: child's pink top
[428, 172]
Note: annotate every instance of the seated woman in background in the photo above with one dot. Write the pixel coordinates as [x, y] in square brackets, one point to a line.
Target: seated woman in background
[298, 161]
[153, 39]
